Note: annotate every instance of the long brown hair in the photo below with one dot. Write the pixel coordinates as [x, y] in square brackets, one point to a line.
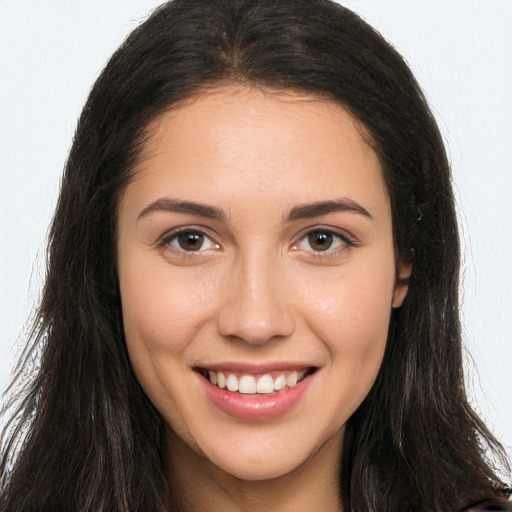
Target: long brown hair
[84, 436]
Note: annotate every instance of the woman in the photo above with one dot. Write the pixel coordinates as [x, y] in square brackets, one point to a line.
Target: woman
[251, 298]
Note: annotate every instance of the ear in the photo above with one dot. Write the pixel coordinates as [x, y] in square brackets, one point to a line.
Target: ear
[402, 283]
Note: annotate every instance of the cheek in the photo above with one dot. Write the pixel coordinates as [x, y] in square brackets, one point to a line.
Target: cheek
[351, 315]
[161, 310]
[352, 320]
[161, 315]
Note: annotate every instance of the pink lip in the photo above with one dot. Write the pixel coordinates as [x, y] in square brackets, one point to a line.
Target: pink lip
[254, 368]
[255, 407]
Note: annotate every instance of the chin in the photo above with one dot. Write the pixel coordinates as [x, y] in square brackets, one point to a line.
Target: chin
[281, 452]
[261, 469]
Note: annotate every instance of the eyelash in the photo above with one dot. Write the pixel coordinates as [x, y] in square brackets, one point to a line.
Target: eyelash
[169, 238]
[342, 241]
[339, 239]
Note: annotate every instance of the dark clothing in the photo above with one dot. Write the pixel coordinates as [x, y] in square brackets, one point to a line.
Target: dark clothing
[490, 505]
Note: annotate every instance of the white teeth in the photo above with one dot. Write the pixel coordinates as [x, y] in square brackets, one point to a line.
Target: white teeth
[247, 385]
[265, 384]
[280, 383]
[232, 382]
[291, 380]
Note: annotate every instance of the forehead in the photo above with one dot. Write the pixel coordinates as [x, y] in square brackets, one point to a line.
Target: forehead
[242, 140]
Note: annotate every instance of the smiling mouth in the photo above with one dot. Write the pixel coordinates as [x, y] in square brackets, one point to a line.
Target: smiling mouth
[255, 384]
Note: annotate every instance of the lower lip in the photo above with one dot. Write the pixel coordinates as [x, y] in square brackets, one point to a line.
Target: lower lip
[256, 407]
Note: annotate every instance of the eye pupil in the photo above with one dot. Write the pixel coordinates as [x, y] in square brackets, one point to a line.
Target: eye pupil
[190, 240]
[320, 240]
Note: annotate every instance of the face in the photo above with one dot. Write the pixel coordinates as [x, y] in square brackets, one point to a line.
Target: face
[257, 276]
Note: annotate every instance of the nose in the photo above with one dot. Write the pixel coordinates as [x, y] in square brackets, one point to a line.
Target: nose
[257, 307]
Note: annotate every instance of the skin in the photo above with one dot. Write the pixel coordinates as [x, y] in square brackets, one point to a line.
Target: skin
[257, 290]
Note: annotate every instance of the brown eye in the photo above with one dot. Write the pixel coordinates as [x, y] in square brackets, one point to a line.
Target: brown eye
[190, 240]
[320, 240]
[324, 243]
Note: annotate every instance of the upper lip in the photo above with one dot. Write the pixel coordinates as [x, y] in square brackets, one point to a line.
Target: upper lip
[252, 367]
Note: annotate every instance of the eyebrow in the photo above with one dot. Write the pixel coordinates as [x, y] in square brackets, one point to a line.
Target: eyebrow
[301, 211]
[180, 206]
[308, 211]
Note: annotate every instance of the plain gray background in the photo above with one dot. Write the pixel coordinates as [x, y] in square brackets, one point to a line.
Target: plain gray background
[51, 52]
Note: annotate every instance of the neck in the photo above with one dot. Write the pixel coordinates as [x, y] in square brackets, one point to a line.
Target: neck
[197, 485]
